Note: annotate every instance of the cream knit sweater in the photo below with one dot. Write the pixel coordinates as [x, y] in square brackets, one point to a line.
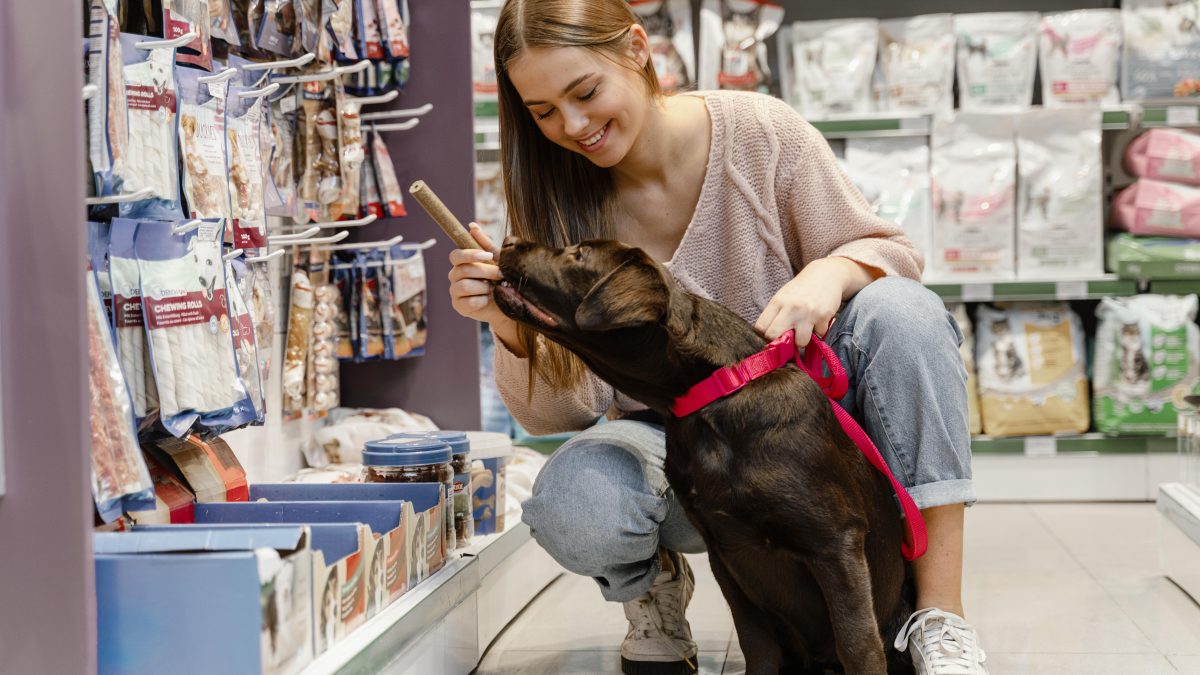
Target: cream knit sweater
[774, 199]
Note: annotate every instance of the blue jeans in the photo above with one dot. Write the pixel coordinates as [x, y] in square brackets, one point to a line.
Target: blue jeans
[602, 507]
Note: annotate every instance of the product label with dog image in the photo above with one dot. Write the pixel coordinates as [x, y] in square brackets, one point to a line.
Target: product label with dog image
[202, 144]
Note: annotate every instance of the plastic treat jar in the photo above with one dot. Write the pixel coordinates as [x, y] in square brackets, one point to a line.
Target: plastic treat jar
[489, 470]
[423, 460]
[460, 451]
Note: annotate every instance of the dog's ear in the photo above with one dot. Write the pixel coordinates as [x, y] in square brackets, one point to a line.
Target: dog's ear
[635, 292]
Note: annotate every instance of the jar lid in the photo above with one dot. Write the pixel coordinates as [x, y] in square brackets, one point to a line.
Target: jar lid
[457, 440]
[489, 444]
[406, 452]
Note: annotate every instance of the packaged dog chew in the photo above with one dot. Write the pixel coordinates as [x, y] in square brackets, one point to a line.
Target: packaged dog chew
[393, 24]
[370, 310]
[299, 334]
[408, 291]
[202, 145]
[1171, 155]
[255, 287]
[309, 14]
[270, 33]
[181, 17]
[151, 162]
[246, 16]
[99, 238]
[244, 156]
[345, 328]
[385, 173]
[370, 37]
[341, 32]
[893, 175]
[221, 23]
[1080, 55]
[1155, 207]
[997, 60]
[108, 127]
[668, 24]
[916, 63]
[324, 367]
[832, 64]
[282, 167]
[1161, 58]
[733, 43]
[128, 319]
[353, 155]
[245, 338]
[369, 200]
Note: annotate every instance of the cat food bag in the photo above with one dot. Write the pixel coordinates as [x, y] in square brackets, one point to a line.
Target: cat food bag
[1060, 216]
[1133, 257]
[370, 35]
[668, 23]
[243, 153]
[1080, 55]
[408, 297]
[181, 17]
[1032, 371]
[385, 173]
[1171, 155]
[281, 163]
[1161, 58]
[129, 323]
[108, 126]
[202, 145]
[973, 186]
[152, 100]
[893, 174]
[1154, 207]
[967, 350]
[1147, 361]
[733, 43]
[483, 63]
[221, 23]
[245, 338]
[916, 64]
[831, 66]
[997, 59]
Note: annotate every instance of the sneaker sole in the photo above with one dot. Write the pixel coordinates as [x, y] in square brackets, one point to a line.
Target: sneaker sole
[656, 667]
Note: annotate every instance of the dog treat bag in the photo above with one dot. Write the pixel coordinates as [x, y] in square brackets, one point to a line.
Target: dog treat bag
[967, 350]
[831, 66]
[346, 322]
[108, 126]
[1155, 207]
[1060, 216]
[353, 156]
[151, 157]
[1161, 58]
[408, 297]
[369, 200]
[181, 17]
[202, 145]
[1147, 361]
[243, 153]
[385, 173]
[327, 302]
[973, 181]
[1171, 155]
[128, 319]
[270, 34]
[1032, 371]
[370, 37]
[370, 311]
[282, 168]
[221, 24]
[256, 290]
[393, 24]
[893, 174]
[997, 59]
[1080, 56]
[668, 23]
[299, 334]
[916, 63]
[245, 337]
[733, 43]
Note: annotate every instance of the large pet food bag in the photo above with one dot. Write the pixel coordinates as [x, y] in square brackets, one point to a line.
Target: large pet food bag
[893, 174]
[1155, 207]
[1161, 58]
[1131, 257]
[967, 349]
[1032, 371]
[1147, 361]
[1171, 155]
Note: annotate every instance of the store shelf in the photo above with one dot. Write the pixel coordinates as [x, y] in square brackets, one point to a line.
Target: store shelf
[1171, 114]
[1083, 444]
[874, 126]
[986, 291]
[1175, 286]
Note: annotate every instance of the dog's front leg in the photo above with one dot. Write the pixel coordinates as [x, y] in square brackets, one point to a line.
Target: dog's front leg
[845, 581]
[755, 636]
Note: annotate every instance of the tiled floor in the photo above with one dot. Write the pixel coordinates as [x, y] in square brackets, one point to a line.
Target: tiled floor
[1052, 588]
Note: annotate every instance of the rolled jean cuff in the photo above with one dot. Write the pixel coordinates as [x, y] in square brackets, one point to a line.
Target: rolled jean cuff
[943, 493]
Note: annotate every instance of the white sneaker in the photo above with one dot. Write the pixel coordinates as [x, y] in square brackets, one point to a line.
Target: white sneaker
[659, 640]
[942, 644]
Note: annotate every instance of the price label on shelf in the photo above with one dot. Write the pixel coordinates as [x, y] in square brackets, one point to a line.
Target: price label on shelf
[1183, 115]
[1070, 290]
[1041, 446]
[976, 292]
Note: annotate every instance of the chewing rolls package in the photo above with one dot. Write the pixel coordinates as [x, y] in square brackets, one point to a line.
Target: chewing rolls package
[108, 127]
[128, 319]
[409, 326]
[668, 23]
[190, 330]
[997, 59]
[1060, 219]
[299, 335]
[1147, 361]
[733, 43]
[1161, 58]
[1171, 155]
[831, 65]
[243, 154]
[202, 145]
[916, 64]
[1155, 207]
[967, 350]
[973, 181]
[1032, 371]
[893, 174]
[181, 17]
[385, 174]
[1133, 257]
[1080, 55]
[245, 337]
[151, 162]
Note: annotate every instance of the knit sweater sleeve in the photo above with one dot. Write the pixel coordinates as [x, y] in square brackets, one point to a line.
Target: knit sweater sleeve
[823, 214]
[550, 410]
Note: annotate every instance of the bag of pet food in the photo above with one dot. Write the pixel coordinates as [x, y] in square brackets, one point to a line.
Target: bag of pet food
[1154, 207]
[1147, 361]
[1032, 370]
[893, 174]
[202, 145]
[282, 161]
[916, 64]
[246, 16]
[181, 17]
[190, 330]
[311, 17]
[1171, 155]
[370, 311]
[393, 24]
[346, 322]
[668, 23]
[128, 319]
[831, 66]
[108, 126]
[385, 173]
[1133, 257]
[243, 152]
[325, 385]
[321, 182]
[483, 63]
[151, 157]
[967, 350]
[1060, 219]
[299, 336]
[973, 185]
[997, 60]
[245, 338]
[370, 36]
[99, 238]
[733, 43]
[1161, 58]
[369, 199]
[275, 27]
[221, 24]
[1080, 56]
[408, 297]
[341, 32]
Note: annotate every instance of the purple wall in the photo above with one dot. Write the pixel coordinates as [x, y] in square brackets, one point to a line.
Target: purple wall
[443, 384]
[47, 604]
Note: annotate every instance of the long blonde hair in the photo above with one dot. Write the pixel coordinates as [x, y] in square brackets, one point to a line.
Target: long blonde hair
[555, 196]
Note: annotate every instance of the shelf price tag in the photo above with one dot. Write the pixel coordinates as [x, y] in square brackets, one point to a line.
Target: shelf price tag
[1070, 290]
[976, 292]
[1183, 115]
[1041, 446]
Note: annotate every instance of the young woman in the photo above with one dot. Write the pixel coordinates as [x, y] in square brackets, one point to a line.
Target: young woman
[744, 203]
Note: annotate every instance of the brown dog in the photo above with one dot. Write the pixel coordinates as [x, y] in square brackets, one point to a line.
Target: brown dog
[802, 533]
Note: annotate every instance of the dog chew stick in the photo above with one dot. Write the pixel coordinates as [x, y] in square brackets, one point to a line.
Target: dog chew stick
[442, 216]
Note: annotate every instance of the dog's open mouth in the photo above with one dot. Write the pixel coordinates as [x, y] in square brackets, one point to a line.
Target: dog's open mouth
[513, 298]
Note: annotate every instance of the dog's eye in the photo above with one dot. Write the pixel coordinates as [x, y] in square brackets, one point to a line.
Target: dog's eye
[581, 253]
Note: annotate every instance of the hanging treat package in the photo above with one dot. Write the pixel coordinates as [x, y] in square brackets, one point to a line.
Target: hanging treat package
[245, 338]
[150, 93]
[181, 17]
[189, 328]
[255, 288]
[282, 166]
[1159, 208]
[353, 156]
[274, 26]
[370, 312]
[309, 16]
[668, 23]
[408, 292]
[246, 16]
[997, 60]
[320, 330]
[383, 259]
[321, 182]
[916, 64]
[346, 321]
[1131, 257]
[370, 36]
[1171, 155]
[221, 24]
[1080, 55]
[369, 200]
[202, 145]
[108, 126]
[1060, 217]
[99, 238]
[1147, 362]
[129, 321]
[967, 350]
[733, 43]
[483, 63]
[324, 383]
[829, 65]
[299, 334]
[1161, 58]
[893, 174]
[393, 24]
[120, 479]
[385, 173]
[973, 184]
[243, 154]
